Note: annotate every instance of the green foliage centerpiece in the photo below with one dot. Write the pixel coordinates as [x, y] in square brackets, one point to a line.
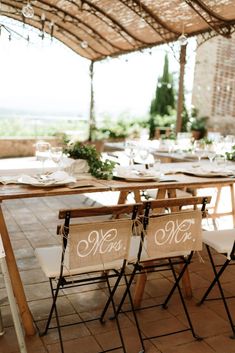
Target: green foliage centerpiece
[98, 168]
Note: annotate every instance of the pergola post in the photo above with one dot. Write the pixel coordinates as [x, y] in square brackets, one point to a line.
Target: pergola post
[91, 112]
[181, 88]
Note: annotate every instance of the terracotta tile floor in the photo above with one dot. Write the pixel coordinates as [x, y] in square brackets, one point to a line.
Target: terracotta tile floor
[32, 223]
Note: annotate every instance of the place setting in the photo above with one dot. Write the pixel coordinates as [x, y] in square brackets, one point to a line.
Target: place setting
[52, 168]
[138, 173]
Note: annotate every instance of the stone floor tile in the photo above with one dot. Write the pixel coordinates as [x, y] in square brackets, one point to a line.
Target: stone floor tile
[221, 343]
[81, 345]
[193, 347]
[40, 217]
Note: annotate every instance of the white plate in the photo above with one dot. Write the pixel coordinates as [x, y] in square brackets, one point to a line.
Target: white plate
[206, 174]
[26, 180]
[46, 185]
[138, 177]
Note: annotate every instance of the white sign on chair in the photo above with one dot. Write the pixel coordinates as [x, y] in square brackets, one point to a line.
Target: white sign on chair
[174, 233]
[98, 243]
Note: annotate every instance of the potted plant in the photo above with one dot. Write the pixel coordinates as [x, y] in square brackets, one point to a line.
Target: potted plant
[96, 166]
[198, 127]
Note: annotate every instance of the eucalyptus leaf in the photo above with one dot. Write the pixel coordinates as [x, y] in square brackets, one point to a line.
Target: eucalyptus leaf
[98, 168]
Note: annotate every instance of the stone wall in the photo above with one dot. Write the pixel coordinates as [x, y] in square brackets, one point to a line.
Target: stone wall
[214, 83]
[21, 147]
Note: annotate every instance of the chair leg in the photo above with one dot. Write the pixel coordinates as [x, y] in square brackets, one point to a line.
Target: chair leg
[187, 262]
[126, 291]
[182, 299]
[134, 314]
[111, 296]
[217, 276]
[217, 280]
[116, 317]
[116, 311]
[54, 308]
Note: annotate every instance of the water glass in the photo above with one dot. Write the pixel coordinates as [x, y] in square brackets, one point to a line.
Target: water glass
[130, 151]
[210, 151]
[143, 153]
[56, 154]
[199, 149]
[42, 153]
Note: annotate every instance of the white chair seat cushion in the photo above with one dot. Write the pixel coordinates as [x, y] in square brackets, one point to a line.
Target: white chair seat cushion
[49, 259]
[220, 240]
[134, 247]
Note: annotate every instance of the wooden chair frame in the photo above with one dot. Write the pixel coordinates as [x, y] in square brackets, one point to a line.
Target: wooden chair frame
[158, 207]
[63, 281]
[218, 270]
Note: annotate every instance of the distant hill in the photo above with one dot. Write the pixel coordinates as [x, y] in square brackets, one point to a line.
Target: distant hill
[26, 114]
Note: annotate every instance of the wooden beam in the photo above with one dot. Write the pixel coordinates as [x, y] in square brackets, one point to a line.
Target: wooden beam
[91, 113]
[181, 88]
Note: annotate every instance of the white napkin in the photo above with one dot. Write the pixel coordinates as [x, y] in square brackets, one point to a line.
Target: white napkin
[76, 166]
[8, 179]
[56, 178]
[134, 172]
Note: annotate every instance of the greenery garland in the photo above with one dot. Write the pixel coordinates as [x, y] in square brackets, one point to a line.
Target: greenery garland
[230, 156]
[98, 168]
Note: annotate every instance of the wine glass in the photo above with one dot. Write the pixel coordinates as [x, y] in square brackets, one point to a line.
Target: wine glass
[130, 151]
[143, 153]
[199, 149]
[210, 152]
[56, 154]
[42, 153]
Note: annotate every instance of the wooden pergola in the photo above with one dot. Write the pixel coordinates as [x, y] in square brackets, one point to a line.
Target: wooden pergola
[96, 29]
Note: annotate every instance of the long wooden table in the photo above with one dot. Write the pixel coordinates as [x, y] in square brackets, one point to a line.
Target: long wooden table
[16, 191]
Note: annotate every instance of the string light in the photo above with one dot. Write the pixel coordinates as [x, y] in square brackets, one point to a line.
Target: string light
[217, 88]
[12, 29]
[167, 84]
[27, 10]
[84, 44]
[10, 32]
[183, 40]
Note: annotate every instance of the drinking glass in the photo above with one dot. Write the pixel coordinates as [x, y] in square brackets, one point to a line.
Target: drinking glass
[130, 151]
[42, 153]
[199, 149]
[143, 153]
[210, 152]
[56, 154]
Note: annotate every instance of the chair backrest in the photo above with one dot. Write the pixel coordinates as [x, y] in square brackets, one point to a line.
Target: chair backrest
[174, 232]
[175, 204]
[98, 242]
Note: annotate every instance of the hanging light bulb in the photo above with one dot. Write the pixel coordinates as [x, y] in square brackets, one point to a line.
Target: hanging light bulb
[84, 44]
[28, 11]
[183, 40]
[43, 17]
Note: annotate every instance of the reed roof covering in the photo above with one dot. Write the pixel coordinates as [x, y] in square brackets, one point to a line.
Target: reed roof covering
[96, 29]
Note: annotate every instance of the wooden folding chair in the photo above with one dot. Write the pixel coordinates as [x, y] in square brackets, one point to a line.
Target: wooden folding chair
[98, 249]
[220, 242]
[168, 243]
[12, 302]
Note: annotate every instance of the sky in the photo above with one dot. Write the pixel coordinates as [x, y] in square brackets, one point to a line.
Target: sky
[46, 77]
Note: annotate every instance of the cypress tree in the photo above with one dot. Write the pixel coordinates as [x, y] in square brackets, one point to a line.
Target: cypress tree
[164, 97]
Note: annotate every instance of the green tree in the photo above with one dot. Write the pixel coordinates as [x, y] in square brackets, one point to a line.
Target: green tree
[164, 99]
